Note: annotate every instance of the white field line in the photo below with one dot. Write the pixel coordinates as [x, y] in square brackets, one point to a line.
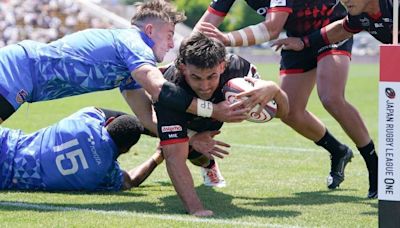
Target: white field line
[253, 146]
[272, 123]
[124, 213]
[276, 148]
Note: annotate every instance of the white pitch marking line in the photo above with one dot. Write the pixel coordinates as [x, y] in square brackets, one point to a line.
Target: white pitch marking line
[143, 215]
[260, 147]
[275, 148]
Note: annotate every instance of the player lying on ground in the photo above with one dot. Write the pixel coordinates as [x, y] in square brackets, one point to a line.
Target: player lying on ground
[79, 152]
[202, 68]
[100, 59]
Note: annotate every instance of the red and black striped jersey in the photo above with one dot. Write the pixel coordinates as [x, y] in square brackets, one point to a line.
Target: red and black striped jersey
[379, 25]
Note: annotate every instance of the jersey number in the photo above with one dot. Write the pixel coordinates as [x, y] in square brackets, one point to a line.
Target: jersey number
[72, 156]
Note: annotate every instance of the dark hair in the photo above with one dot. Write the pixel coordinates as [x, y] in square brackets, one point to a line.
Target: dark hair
[125, 131]
[201, 51]
[157, 9]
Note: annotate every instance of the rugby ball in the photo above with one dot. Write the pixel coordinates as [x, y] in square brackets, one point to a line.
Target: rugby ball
[238, 85]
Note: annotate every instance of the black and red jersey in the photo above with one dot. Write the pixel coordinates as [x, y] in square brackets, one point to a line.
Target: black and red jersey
[172, 126]
[305, 16]
[379, 25]
[222, 7]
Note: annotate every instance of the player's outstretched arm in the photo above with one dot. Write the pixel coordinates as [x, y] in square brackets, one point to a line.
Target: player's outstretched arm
[170, 95]
[140, 103]
[248, 36]
[332, 33]
[263, 92]
[175, 159]
[204, 142]
[138, 175]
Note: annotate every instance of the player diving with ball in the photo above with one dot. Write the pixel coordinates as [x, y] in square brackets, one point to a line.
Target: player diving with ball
[202, 68]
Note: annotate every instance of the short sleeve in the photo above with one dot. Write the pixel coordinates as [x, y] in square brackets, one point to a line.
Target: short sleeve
[171, 125]
[113, 180]
[129, 84]
[220, 8]
[281, 6]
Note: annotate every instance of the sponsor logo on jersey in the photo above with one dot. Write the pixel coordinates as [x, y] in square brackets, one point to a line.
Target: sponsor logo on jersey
[385, 19]
[21, 96]
[92, 146]
[378, 25]
[172, 128]
[277, 3]
[172, 136]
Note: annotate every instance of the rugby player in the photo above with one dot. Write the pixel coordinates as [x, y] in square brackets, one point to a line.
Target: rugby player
[326, 66]
[202, 68]
[101, 59]
[79, 152]
[372, 16]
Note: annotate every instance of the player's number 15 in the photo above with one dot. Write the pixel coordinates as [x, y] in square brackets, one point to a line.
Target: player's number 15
[71, 156]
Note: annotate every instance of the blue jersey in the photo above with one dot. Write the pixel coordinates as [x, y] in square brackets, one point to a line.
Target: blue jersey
[86, 61]
[76, 153]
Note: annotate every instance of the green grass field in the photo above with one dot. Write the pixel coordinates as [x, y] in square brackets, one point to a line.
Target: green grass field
[275, 177]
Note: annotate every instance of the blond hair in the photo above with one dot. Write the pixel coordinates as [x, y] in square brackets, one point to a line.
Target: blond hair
[157, 9]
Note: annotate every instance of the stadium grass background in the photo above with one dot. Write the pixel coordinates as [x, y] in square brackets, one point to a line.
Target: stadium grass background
[275, 177]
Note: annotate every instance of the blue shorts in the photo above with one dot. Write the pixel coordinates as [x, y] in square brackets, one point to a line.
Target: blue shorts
[15, 75]
[295, 62]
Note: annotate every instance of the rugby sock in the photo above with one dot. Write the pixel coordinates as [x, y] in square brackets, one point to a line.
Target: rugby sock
[332, 145]
[209, 166]
[371, 160]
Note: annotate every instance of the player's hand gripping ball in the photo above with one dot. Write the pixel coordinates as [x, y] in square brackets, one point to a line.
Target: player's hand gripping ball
[238, 85]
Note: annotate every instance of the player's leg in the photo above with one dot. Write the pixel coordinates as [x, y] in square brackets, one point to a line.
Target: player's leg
[332, 74]
[298, 87]
[210, 172]
[112, 113]
[6, 109]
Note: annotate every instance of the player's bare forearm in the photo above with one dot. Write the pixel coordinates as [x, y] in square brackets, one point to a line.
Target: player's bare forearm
[175, 158]
[150, 78]
[336, 32]
[224, 111]
[140, 103]
[208, 17]
[262, 92]
[138, 175]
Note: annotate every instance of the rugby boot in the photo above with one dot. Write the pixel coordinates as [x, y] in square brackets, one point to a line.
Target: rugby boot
[212, 176]
[338, 165]
[373, 184]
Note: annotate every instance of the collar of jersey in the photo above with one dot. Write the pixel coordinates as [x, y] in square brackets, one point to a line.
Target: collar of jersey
[144, 37]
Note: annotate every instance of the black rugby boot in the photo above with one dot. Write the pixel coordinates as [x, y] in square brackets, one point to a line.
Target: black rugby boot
[338, 165]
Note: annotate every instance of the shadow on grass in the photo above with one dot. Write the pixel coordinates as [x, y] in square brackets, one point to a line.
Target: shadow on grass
[312, 198]
[220, 203]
